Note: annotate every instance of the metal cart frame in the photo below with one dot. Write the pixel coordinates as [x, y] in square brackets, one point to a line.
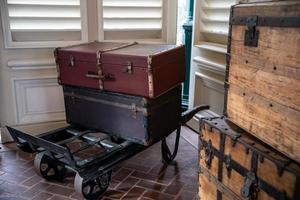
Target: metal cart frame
[93, 174]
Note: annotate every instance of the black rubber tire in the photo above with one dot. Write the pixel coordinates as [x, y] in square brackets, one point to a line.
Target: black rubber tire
[49, 168]
[92, 189]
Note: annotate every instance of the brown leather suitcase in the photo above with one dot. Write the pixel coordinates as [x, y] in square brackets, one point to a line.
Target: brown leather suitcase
[234, 165]
[147, 70]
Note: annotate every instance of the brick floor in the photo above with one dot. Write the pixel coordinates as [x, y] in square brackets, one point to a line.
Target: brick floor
[142, 177]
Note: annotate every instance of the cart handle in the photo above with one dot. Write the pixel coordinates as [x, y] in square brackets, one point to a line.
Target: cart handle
[189, 114]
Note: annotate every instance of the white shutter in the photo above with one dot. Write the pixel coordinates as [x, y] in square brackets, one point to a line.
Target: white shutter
[44, 22]
[134, 19]
[213, 32]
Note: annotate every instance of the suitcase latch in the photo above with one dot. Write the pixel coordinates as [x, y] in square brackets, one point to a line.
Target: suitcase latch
[72, 61]
[134, 110]
[250, 188]
[251, 34]
[128, 69]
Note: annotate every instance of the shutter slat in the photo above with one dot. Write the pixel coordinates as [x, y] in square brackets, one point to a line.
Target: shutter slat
[43, 11]
[132, 24]
[40, 24]
[44, 2]
[125, 16]
[132, 3]
[132, 12]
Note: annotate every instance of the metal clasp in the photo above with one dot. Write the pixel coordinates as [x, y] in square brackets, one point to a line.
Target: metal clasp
[250, 188]
[251, 34]
[208, 154]
[134, 110]
[129, 68]
[72, 61]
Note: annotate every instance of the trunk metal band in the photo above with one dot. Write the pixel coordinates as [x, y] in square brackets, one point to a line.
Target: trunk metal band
[99, 62]
[132, 107]
[268, 21]
[269, 189]
[220, 186]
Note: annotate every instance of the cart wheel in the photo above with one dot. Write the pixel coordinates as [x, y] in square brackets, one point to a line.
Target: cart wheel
[165, 150]
[25, 147]
[49, 168]
[92, 189]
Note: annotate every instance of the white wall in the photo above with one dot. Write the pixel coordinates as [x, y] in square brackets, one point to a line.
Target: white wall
[29, 94]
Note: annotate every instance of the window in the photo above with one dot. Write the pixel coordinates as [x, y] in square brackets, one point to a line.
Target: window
[46, 23]
[211, 36]
[146, 20]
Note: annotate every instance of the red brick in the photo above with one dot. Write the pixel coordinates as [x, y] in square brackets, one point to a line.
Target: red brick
[151, 185]
[42, 196]
[158, 195]
[134, 193]
[127, 184]
[122, 174]
[64, 191]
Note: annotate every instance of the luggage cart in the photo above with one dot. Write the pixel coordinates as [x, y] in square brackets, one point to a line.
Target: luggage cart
[56, 153]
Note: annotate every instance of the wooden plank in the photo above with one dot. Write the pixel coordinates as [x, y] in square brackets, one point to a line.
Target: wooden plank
[280, 46]
[207, 190]
[279, 182]
[280, 88]
[276, 9]
[273, 123]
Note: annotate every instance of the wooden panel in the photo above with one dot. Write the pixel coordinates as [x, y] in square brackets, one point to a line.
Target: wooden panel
[282, 88]
[271, 122]
[238, 153]
[278, 9]
[213, 135]
[273, 177]
[207, 190]
[235, 182]
[280, 46]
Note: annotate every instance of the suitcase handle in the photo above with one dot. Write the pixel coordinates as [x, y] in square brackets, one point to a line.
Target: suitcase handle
[104, 77]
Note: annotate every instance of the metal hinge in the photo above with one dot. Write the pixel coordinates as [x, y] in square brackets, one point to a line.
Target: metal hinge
[251, 34]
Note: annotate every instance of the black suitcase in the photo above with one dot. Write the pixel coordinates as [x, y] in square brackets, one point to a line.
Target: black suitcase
[133, 118]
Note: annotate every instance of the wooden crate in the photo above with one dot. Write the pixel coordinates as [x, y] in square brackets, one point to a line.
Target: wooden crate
[235, 165]
[263, 73]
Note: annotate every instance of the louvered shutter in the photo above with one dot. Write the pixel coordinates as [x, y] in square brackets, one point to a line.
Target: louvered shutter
[44, 22]
[213, 32]
[134, 19]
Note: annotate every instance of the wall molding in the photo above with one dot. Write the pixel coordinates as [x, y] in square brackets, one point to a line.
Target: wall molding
[37, 100]
[27, 64]
[211, 82]
[209, 66]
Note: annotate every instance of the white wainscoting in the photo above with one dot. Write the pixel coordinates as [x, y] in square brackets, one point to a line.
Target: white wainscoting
[209, 90]
[38, 100]
[27, 64]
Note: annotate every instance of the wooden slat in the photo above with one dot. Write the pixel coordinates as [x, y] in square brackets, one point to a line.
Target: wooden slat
[278, 9]
[271, 122]
[280, 46]
[280, 88]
